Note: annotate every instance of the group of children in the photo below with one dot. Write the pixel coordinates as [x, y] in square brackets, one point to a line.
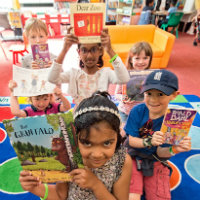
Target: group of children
[111, 169]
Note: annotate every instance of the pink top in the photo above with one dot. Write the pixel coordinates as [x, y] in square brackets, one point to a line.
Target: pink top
[51, 109]
[124, 107]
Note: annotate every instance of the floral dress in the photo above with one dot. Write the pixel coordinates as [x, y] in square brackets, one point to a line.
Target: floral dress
[109, 173]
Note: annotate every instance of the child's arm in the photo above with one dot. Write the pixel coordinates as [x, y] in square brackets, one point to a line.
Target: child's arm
[156, 140]
[120, 74]
[33, 185]
[65, 103]
[14, 105]
[84, 178]
[121, 187]
[184, 145]
[69, 39]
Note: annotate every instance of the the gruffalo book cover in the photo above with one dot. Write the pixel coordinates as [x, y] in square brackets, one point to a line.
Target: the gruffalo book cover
[46, 145]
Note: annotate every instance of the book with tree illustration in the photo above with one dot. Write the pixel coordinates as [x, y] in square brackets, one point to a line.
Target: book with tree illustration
[131, 90]
[40, 54]
[176, 124]
[46, 145]
[88, 19]
[31, 82]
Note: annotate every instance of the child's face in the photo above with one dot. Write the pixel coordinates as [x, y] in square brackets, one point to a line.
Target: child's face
[41, 103]
[89, 54]
[37, 37]
[100, 146]
[140, 61]
[157, 102]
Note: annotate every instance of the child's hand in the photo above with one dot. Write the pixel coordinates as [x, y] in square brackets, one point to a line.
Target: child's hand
[47, 65]
[105, 40]
[128, 101]
[184, 145]
[84, 178]
[157, 138]
[28, 182]
[35, 65]
[57, 91]
[70, 39]
[11, 85]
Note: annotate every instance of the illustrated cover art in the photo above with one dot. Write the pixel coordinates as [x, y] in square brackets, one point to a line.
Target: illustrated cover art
[88, 20]
[31, 82]
[46, 145]
[176, 124]
[40, 54]
[132, 89]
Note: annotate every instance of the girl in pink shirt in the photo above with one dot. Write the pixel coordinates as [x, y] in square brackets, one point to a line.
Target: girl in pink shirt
[40, 105]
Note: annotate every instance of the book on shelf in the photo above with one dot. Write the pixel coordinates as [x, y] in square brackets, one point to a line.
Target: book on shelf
[31, 82]
[40, 54]
[132, 89]
[88, 20]
[46, 145]
[176, 123]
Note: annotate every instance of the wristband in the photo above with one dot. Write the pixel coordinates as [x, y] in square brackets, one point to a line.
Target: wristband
[147, 142]
[113, 58]
[46, 192]
[173, 151]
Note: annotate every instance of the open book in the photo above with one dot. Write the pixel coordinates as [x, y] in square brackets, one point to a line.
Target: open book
[40, 54]
[88, 20]
[176, 124]
[31, 82]
[46, 145]
[132, 89]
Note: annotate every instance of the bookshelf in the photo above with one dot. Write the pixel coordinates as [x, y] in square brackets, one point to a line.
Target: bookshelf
[128, 11]
[111, 10]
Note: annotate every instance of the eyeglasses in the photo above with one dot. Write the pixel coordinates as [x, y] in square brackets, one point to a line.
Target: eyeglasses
[93, 50]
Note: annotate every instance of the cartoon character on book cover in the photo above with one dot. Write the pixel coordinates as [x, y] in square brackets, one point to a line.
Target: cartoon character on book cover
[32, 82]
[177, 123]
[46, 145]
[40, 54]
[132, 89]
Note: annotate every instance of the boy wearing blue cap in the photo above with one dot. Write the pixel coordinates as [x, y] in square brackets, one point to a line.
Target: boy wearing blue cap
[151, 172]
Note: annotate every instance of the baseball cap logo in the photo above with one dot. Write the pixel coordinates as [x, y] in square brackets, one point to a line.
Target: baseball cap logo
[157, 76]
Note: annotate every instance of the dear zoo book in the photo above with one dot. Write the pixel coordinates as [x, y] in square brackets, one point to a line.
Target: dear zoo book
[176, 124]
[46, 145]
[88, 20]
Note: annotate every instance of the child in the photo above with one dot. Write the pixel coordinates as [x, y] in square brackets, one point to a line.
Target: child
[139, 58]
[107, 170]
[40, 105]
[90, 77]
[36, 33]
[145, 17]
[145, 143]
[172, 9]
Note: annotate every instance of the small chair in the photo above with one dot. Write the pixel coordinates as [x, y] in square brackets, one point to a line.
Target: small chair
[174, 20]
[19, 50]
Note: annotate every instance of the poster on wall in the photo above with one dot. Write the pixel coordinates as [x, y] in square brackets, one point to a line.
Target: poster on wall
[88, 20]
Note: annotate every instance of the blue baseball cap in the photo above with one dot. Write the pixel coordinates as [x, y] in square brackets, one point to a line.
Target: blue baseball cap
[162, 80]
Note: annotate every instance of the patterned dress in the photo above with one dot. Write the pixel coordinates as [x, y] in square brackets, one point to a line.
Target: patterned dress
[109, 173]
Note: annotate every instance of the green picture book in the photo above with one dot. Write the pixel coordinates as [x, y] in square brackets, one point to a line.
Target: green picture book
[46, 145]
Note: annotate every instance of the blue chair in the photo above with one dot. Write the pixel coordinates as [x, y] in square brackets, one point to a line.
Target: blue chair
[173, 21]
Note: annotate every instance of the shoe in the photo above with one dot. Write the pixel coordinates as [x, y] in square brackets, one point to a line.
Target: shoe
[195, 43]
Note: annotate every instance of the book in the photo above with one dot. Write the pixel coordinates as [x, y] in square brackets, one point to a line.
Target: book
[31, 82]
[40, 54]
[88, 20]
[131, 90]
[46, 145]
[176, 124]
